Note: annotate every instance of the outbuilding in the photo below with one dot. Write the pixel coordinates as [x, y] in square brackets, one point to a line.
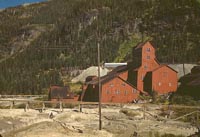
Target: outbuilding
[64, 94]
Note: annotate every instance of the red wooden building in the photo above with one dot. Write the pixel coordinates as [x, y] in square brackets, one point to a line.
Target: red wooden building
[143, 74]
[114, 89]
[162, 80]
[147, 74]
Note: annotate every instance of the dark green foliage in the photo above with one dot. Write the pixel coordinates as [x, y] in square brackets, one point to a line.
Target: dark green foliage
[183, 100]
[174, 26]
[190, 84]
[72, 29]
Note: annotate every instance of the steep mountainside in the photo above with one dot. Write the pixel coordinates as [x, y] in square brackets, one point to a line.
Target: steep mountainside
[38, 40]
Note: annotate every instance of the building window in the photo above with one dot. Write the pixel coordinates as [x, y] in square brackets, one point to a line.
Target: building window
[159, 84]
[164, 74]
[125, 92]
[148, 57]
[148, 49]
[111, 85]
[117, 92]
[108, 92]
[123, 84]
[170, 84]
[145, 66]
[134, 91]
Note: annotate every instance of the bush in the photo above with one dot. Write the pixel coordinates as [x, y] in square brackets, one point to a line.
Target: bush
[184, 100]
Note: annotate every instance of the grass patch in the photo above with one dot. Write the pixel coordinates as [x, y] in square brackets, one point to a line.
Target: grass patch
[76, 87]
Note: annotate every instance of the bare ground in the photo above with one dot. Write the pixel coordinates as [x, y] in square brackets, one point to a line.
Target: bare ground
[116, 122]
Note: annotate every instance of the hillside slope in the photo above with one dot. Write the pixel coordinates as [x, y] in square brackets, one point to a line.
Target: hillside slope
[38, 40]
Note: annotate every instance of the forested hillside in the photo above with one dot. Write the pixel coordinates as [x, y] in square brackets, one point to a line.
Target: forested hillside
[38, 40]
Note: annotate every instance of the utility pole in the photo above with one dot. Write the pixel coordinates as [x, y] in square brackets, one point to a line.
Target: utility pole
[99, 87]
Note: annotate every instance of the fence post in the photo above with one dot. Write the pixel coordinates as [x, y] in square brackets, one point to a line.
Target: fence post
[144, 107]
[12, 105]
[43, 106]
[61, 107]
[80, 107]
[26, 107]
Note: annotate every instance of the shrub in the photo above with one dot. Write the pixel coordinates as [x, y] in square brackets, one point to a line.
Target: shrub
[185, 100]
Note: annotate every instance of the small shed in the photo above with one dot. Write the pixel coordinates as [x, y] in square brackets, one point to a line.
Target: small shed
[57, 93]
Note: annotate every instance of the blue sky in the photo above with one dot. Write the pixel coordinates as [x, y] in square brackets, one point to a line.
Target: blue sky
[12, 3]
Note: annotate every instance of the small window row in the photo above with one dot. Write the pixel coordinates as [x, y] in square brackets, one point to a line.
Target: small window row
[118, 92]
[159, 84]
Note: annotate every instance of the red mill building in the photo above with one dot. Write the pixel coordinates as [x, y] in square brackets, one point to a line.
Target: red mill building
[147, 74]
[125, 83]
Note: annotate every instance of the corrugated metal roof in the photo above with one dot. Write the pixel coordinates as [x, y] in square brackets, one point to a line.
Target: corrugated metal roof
[140, 45]
[113, 65]
[119, 69]
[164, 66]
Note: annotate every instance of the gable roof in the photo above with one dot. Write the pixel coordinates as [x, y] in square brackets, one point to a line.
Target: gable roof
[164, 66]
[115, 72]
[132, 86]
[89, 78]
[119, 69]
[109, 77]
[102, 79]
[140, 45]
